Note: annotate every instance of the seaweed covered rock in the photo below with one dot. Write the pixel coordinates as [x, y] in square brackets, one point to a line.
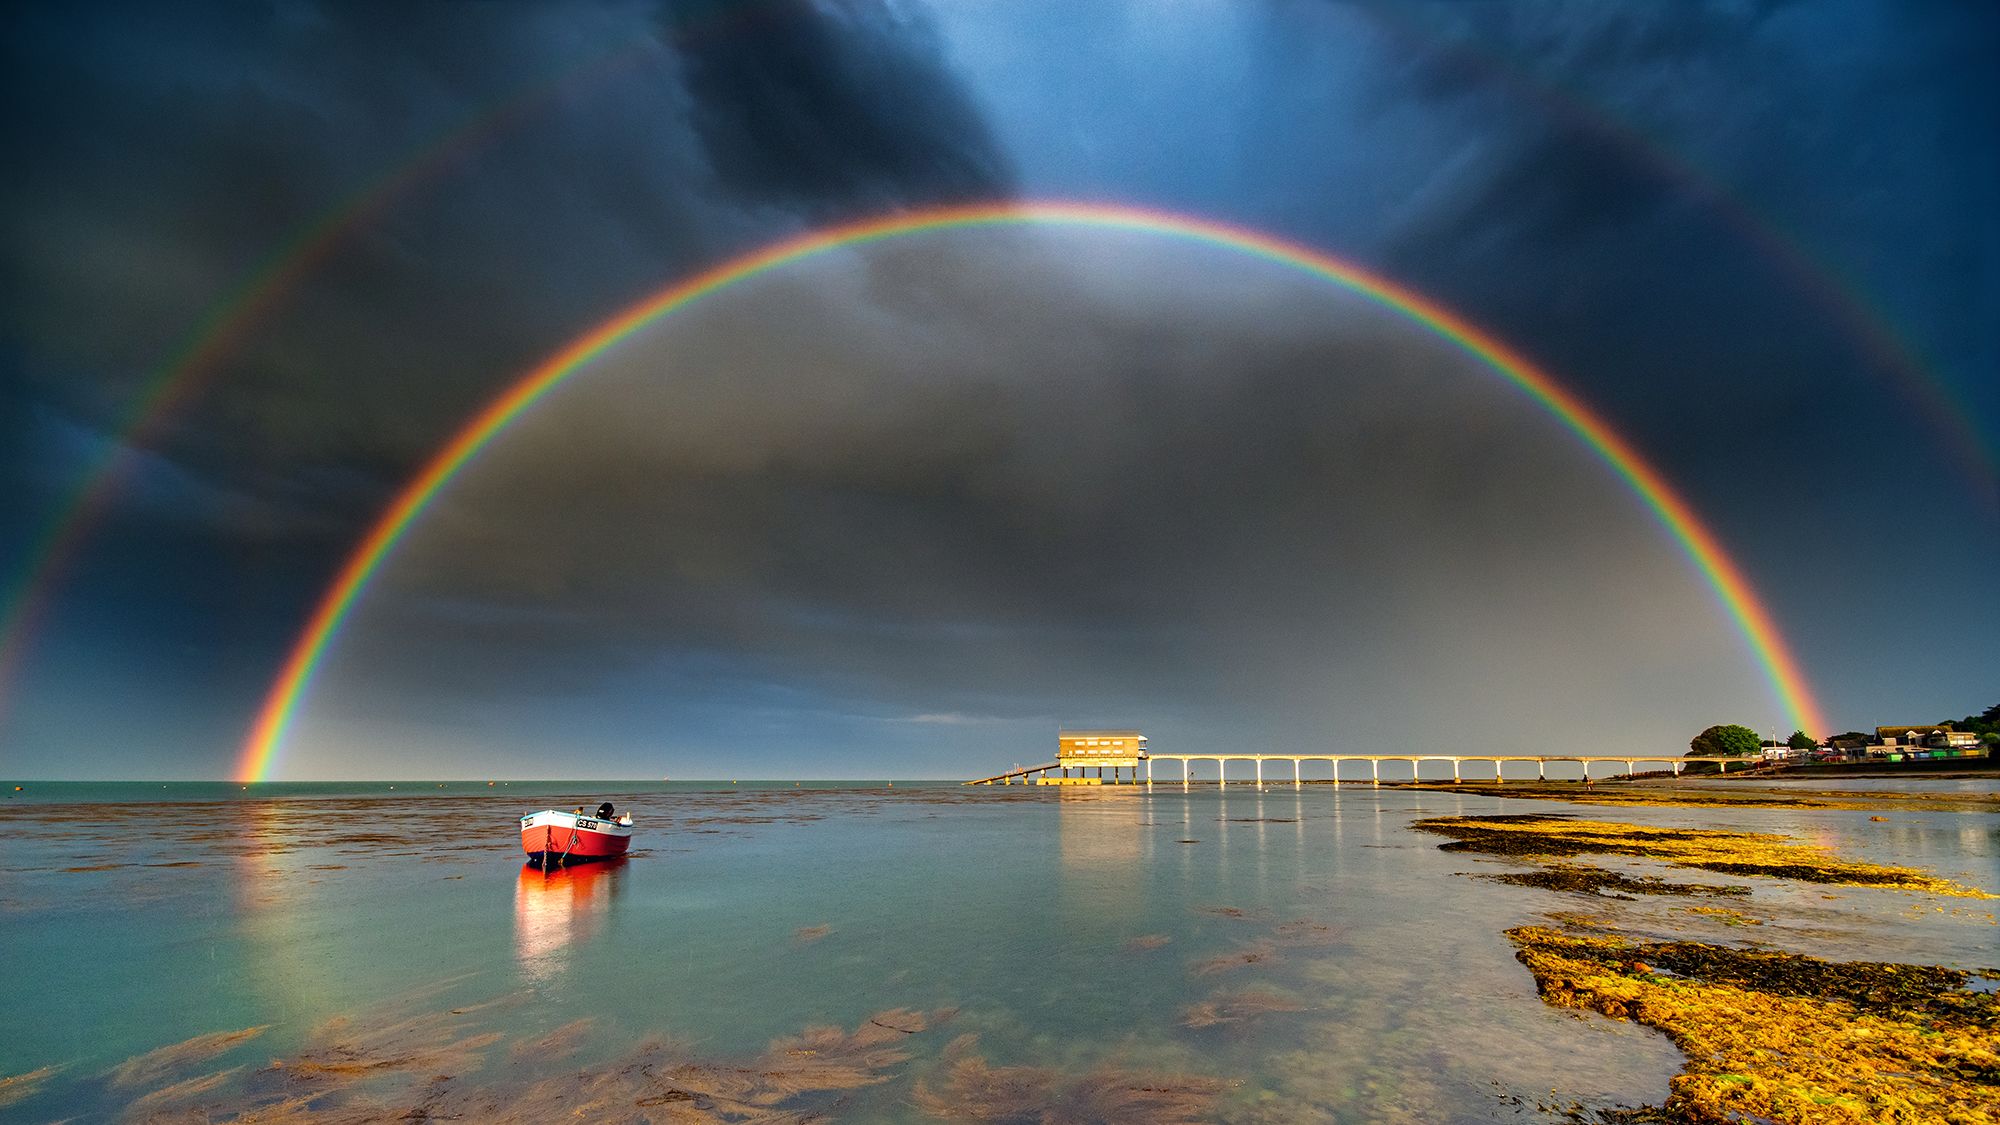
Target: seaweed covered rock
[1581, 878]
[1537, 836]
[1785, 1037]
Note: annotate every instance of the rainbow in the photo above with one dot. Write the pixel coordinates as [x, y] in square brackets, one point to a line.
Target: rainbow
[1701, 546]
[27, 599]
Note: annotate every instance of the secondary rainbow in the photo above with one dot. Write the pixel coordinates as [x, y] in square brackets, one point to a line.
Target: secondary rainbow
[1701, 546]
[1963, 438]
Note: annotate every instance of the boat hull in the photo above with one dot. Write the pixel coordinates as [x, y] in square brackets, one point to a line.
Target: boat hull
[551, 838]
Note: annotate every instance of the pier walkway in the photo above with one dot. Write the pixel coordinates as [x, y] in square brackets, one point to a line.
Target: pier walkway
[1040, 775]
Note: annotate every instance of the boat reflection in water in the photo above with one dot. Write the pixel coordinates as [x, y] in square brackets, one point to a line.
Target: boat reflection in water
[556, 911]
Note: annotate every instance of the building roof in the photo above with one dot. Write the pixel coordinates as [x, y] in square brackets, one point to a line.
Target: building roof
[1067, 735]
[1927, 728]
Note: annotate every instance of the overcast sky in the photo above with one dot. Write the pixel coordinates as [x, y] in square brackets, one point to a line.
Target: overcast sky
[901, 510]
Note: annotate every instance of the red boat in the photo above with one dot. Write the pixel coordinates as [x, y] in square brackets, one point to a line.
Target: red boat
[553, 838]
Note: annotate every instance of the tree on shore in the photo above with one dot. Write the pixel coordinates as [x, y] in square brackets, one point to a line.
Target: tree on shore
[1729, 740]
[1985, 723]
[1800, 740]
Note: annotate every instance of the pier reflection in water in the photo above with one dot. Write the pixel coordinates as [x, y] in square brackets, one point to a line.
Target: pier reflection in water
[556, 911]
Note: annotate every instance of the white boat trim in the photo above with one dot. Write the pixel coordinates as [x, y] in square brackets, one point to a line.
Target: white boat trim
[572, 822]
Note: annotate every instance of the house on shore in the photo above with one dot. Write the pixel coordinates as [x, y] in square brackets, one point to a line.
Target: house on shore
[1928, 736]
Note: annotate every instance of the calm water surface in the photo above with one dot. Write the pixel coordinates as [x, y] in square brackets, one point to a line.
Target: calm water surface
[1303, 949]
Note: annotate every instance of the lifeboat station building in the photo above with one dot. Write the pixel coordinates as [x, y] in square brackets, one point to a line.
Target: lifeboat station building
[1086, 751]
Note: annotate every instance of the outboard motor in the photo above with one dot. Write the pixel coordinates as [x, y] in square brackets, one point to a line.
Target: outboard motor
[604, 811]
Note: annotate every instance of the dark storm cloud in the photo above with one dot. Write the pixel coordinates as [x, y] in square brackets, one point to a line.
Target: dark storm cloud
[1689, 212]
[1729, 160]
[164, 152]
[551, 164]
[1451, 48]
[837, 103]
[1594, 121]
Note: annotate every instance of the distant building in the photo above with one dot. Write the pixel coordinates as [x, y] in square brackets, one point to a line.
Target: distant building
[1933, 736]
[1100, 748]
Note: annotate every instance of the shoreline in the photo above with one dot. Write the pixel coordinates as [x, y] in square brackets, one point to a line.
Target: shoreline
[1670, 793]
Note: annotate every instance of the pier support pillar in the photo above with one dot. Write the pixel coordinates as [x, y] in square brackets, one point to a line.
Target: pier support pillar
[1260, 773]
[1374, 772]
[1628, 769]
[1222, 773]
[1455, 779]
[1541, 769]
[1295, 774]
[1184, 775]
[1677, 768]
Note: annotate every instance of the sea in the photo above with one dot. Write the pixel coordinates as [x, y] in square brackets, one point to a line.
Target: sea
[865, 951]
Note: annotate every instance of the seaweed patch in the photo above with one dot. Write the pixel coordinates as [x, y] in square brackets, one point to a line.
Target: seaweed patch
[1226, 1008]
[1578, 878]
[1785, 1037]
[157, 1063]
[973, 1089]
[1729, 853]
[379, 1067]
[1726, 916]
[19, 1087]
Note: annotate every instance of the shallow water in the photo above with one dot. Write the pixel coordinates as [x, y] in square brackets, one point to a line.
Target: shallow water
[1283, 956]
